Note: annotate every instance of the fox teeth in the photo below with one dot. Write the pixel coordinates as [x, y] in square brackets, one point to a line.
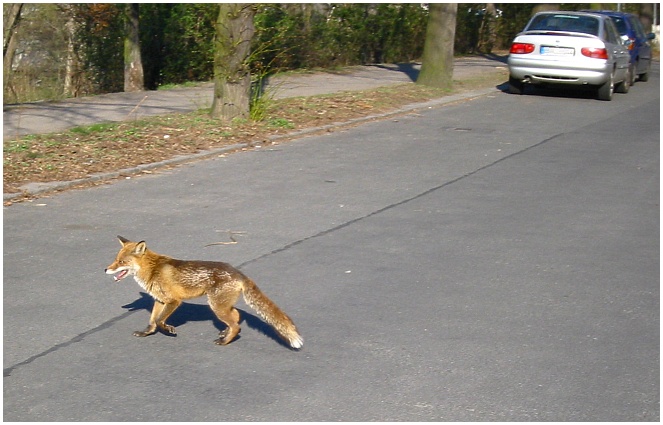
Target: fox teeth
[121, 275]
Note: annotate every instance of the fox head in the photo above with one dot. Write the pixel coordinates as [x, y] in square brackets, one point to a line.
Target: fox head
[126, 261]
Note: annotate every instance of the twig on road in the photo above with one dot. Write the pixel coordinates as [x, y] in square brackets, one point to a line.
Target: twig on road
[231, 234]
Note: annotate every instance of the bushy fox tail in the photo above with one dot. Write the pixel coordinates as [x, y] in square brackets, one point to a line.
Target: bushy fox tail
[273, 315]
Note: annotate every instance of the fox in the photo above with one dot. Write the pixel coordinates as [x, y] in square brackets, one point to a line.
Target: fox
[169, 281]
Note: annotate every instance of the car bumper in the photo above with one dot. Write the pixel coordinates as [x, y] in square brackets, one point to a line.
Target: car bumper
[537, 71]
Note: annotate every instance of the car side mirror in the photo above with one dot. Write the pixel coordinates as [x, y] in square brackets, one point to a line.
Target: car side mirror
[651, 36]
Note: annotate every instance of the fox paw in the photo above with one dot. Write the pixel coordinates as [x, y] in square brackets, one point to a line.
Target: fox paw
[142, 333]
[225, 337]
[222, 338]
[168, 329]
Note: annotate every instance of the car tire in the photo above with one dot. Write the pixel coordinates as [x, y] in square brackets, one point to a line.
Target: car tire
[626, 84]
[516, 86]
[644, 77]
[607, 89]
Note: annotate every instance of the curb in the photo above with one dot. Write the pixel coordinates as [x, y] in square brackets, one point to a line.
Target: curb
[33, 189]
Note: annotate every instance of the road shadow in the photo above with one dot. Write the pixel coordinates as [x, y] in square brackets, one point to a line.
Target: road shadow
[495, 57]
[504, 87]
[404, 68]
[551, 91]
[188, 312]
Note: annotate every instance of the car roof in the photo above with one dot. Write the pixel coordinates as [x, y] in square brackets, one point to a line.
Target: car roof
[609, 12]
[571, 13]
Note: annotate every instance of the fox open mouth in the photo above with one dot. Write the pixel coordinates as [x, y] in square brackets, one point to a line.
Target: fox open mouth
[121, 275]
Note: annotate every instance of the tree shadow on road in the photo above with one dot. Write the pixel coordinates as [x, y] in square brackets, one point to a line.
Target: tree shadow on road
[188, 312]
[495, 57]
[405, 68]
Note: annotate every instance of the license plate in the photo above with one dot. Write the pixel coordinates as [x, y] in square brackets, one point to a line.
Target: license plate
[557, 51]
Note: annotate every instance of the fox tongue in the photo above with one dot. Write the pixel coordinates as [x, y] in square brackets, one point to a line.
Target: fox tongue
[121, 275]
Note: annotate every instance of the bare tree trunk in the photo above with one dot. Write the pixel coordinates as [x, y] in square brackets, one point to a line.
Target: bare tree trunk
[488, 29]
[9, 42]
[437, 63]
[13, 18]
[133, 65]
[71, 61]
[232, 47]
[646, 13]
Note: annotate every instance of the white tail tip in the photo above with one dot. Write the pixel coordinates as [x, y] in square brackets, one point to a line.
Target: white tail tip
[297, 342]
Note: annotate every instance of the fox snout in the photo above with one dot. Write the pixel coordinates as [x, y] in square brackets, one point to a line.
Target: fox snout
[118, 272]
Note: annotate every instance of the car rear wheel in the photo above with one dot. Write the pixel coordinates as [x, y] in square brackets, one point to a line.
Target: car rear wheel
[516, 86]
[607, 89]
[644, 77]
[626, 84]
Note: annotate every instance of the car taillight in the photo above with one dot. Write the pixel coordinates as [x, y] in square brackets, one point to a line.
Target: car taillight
[631, 45]
[594, 52]
[521, 48]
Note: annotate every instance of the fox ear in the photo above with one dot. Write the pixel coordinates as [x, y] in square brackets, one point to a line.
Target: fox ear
[123, 240]
[140, 248]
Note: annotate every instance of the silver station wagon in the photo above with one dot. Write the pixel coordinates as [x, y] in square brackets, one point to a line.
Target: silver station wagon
[572, 49]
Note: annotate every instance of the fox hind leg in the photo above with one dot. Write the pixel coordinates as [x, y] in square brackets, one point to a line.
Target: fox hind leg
[231, 320]
[222, 306]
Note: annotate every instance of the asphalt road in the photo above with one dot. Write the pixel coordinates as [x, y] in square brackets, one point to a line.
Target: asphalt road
[492, 259]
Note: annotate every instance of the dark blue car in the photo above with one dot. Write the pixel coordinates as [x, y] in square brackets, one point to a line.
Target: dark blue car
[636, 39]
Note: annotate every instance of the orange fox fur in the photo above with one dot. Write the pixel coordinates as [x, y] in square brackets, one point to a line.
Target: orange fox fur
[169, 281]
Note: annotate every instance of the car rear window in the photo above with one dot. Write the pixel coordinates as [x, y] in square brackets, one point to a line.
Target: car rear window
[565, 23]
[620, 24]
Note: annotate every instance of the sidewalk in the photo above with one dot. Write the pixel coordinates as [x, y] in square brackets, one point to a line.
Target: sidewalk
[48, 117]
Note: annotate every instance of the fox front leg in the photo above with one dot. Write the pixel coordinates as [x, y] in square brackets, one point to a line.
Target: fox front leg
[164, 314]
[155, 317]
